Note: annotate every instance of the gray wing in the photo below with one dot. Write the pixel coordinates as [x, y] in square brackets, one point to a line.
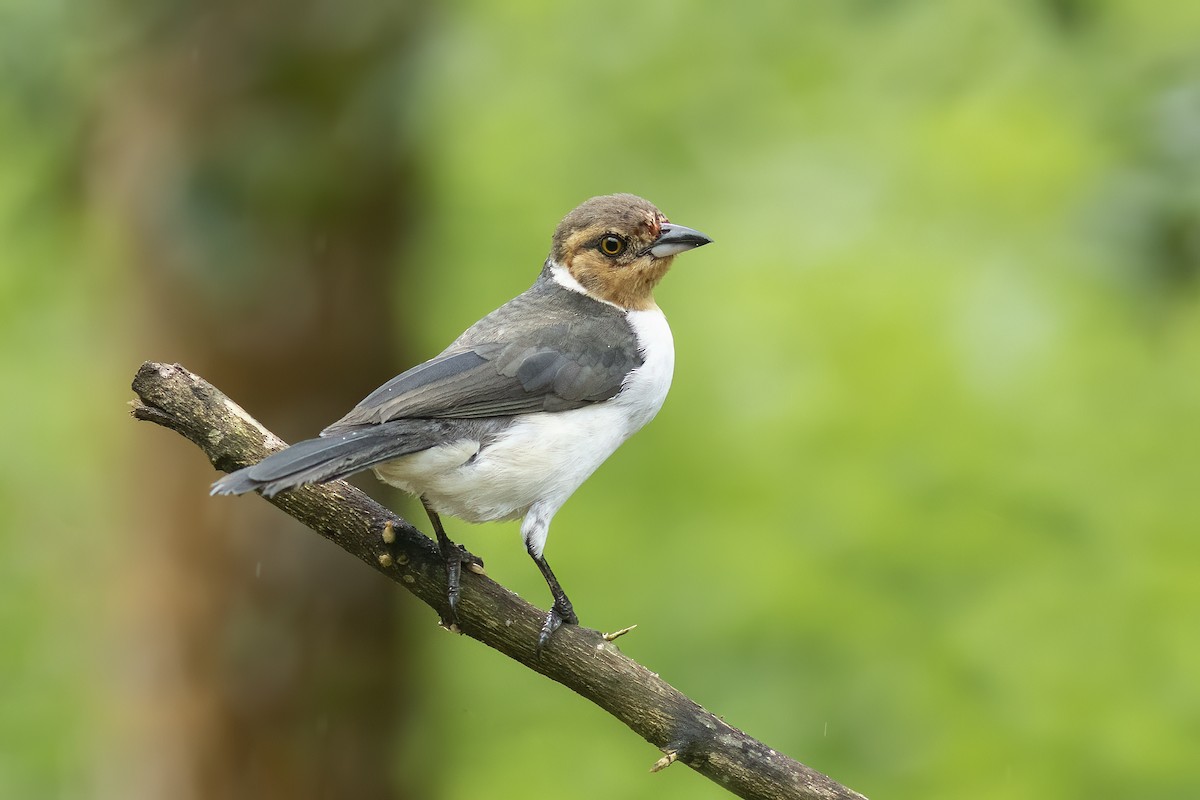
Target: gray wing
[501, 368]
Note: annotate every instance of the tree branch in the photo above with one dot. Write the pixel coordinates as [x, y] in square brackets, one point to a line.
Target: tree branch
[579, 658]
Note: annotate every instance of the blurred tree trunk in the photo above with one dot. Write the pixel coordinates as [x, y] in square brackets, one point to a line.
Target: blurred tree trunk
[250, 158]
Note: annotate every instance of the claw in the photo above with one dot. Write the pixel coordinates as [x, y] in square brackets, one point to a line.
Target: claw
[453, 578]
[553, 622]
[560, 614]
[458, 558]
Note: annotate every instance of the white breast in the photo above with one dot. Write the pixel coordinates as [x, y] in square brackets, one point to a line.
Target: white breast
[646, 387]
[543, 458]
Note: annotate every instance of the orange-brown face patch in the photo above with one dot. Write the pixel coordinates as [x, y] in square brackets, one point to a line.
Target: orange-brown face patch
[628, 283]
[628, 278]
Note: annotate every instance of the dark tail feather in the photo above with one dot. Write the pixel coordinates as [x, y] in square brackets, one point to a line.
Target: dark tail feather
[325, 459]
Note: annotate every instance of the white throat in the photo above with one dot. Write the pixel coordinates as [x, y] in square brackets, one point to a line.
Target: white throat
[563, 277]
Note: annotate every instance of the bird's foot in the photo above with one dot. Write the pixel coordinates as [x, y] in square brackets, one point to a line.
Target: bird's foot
[457, 557]
[561, 613]
[471, 561]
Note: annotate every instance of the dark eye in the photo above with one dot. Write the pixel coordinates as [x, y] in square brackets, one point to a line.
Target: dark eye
[612, 245]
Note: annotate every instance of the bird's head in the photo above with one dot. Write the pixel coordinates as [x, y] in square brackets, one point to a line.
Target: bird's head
[618, 247]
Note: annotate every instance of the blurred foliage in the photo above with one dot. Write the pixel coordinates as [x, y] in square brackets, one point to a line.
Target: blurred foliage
[921, 508]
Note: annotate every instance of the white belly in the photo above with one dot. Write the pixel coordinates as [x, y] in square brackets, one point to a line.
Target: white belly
[541, 458]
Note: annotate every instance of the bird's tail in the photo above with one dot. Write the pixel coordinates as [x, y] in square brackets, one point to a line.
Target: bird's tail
[326, 458]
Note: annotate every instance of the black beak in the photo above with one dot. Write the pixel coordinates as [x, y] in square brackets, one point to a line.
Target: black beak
[676, 239]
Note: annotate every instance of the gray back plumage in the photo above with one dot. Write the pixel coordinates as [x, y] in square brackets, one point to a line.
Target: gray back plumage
[548, 349]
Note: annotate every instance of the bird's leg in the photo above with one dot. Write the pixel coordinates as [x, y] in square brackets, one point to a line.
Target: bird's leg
[562, 611]
[455, 555]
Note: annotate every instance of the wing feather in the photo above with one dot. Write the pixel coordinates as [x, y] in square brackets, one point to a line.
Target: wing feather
[579, 353]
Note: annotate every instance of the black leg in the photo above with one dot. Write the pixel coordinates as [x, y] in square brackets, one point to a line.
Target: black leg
[562, 612]
[455, 556]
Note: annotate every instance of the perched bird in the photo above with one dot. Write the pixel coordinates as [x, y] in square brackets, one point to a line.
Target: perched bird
[520, 409]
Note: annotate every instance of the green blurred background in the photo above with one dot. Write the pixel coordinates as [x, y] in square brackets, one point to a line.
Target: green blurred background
[921, 509]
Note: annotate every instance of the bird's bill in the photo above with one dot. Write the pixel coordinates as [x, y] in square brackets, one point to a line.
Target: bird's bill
[677, 239]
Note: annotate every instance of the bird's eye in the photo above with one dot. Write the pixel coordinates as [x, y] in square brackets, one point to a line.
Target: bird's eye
[612, 245]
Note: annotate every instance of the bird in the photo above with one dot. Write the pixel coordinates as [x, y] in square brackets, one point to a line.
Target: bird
[518, 411]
